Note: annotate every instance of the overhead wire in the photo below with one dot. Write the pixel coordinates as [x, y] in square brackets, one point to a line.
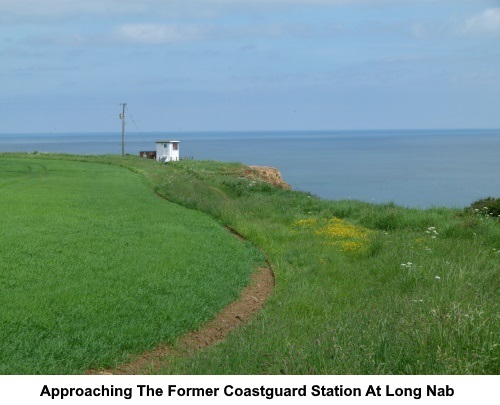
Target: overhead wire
[132, 118]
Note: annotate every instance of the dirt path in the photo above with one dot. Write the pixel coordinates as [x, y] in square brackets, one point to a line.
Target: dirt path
[251, 300]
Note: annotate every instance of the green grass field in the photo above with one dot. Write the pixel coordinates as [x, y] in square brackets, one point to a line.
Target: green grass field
[95, 266]
[360, 288]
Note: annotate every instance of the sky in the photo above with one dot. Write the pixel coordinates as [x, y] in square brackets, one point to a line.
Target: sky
[217, 65]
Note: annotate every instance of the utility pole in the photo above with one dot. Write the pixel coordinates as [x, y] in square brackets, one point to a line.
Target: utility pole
[122, 116]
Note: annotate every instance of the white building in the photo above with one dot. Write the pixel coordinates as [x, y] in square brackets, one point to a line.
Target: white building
[167, 151]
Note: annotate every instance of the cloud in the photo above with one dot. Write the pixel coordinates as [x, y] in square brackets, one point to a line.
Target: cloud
[156, 34]
[486, 23]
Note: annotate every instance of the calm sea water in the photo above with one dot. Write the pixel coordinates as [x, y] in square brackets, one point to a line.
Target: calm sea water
[420, 168]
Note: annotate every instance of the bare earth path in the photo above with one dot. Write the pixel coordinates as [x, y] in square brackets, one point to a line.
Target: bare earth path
[252, 299]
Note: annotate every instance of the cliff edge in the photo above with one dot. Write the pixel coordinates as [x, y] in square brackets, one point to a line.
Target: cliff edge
[268, 174]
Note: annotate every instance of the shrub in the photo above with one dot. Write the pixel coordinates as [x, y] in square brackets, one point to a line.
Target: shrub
[486, 206]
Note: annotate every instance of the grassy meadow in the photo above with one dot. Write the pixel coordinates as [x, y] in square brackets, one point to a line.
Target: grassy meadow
[360, 288]
[94, 266]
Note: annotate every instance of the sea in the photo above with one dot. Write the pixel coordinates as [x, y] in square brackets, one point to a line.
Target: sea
[411, 168]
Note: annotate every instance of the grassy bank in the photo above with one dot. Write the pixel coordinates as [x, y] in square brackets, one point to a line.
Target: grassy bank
[94, 266]
[360, 288]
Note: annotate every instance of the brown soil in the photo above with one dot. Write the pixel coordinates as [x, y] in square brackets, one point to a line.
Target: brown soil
[269, 174]
[252, 299]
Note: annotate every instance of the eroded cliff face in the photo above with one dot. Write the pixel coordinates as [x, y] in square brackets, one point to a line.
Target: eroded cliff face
[269, 174]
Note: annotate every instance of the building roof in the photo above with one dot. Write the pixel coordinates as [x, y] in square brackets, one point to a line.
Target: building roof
[167, 141]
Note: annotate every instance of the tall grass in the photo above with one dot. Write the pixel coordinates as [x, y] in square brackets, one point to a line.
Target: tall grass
[361, 288]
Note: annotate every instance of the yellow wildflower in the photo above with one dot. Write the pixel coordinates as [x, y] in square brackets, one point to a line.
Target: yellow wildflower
[338, 232]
